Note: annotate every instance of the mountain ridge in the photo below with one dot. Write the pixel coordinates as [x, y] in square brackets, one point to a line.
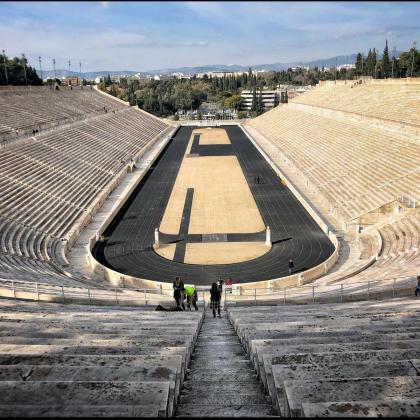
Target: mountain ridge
[327, 62]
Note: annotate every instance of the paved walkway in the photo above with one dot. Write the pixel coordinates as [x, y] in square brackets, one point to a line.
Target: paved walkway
[221, 381]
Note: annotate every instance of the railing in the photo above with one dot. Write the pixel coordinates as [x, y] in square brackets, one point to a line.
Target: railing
[70, 294]
[341, 292]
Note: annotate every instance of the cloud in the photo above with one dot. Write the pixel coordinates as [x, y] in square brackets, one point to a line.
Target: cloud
[155, 44]
[205, 8]
[104, 4]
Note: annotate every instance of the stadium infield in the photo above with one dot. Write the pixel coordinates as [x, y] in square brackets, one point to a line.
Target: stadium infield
[128, 249]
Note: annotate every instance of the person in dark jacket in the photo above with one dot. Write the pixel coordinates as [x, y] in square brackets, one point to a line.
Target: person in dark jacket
[215, 297]
[418, 286]
[220, 285]
[291, 266]
[178, 286]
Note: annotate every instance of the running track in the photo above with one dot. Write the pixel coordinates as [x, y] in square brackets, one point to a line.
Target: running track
[127, 247]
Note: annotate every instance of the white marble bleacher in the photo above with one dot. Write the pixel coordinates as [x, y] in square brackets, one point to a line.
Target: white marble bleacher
[352, 355]
[392, 101]
[48, 183]
[356, 167]
[70, 360]
[400, 254]
[42, 107]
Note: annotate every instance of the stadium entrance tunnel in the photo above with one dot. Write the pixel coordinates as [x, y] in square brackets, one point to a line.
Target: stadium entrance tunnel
[211, 194]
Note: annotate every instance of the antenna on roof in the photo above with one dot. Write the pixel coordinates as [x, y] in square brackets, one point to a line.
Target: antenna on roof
[40, 66]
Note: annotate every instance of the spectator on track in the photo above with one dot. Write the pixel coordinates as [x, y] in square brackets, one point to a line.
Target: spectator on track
[418, 286]
[291, 266]
[215, 297]
[178, 286]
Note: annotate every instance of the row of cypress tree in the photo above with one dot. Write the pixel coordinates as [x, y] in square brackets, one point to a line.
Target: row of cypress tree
[407, 64]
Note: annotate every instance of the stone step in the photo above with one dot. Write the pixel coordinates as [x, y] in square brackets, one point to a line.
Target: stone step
[376, 408]
[214, 352]
[222, 373]
[91, 360]
[219, 345]
[84, 411]
[97, 374]
[20, 349]
[154, 394]
[202, 387]
[5, 337]
[384, 344]
[324, 324]
[218, 410]
[298, 392]
[214, 359]
[338, 371]
[220, 340]
[237, 363]
[146, 341]
[224, 398]
[252, 333]
[347, 339]
[340, 357]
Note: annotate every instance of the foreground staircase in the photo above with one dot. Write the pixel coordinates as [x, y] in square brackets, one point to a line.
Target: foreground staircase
[221, 381]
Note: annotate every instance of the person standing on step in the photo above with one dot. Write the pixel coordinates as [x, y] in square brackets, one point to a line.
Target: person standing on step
[418, 286]
[215, 298]
[178, 286]
[291, 266]
[220, 285]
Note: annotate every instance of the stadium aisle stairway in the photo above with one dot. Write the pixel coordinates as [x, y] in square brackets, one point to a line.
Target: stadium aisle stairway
[69, 360]
[221, 381]
[338, 359]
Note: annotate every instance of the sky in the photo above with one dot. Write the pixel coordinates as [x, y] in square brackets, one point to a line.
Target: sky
[143, 36]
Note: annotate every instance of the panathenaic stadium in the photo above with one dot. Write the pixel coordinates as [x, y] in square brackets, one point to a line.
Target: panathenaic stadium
[103, 204]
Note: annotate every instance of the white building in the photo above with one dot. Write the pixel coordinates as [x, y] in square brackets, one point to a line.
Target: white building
[270, 98]
[346, 66]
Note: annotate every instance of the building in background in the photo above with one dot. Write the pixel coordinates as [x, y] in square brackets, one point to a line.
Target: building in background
[72, 81]
[270, 98]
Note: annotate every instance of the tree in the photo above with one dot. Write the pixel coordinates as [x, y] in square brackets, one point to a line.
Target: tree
[371, 64]
[406, 61]
[260, 103]
[254, 100]
[386, 63]
[358, 64]
[16, 68]
[234, 101]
